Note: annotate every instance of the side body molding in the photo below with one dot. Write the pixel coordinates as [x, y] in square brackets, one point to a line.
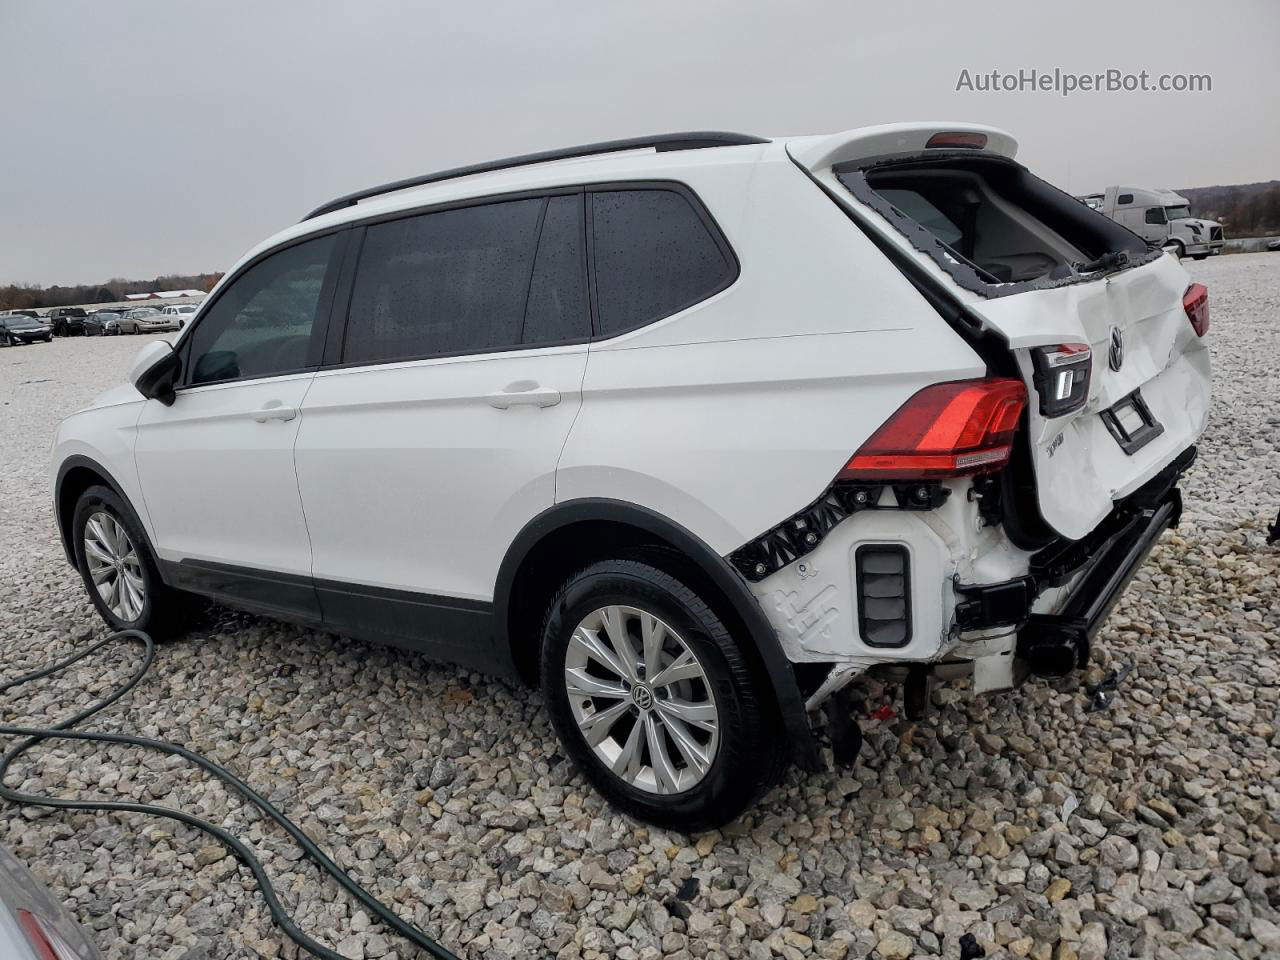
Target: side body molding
[759, 633]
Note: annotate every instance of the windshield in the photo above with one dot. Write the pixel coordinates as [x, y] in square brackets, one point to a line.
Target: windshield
[1178, 213]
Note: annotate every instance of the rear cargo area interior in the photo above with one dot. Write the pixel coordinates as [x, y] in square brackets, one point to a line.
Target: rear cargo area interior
[1006, 224]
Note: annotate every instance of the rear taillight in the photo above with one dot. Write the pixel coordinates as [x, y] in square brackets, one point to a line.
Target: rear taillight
[971, 141]
[1196, 302]
[1061, 375]
[47, 943]
[947, 430]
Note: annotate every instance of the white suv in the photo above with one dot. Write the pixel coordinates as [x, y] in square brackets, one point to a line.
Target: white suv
[690, 431]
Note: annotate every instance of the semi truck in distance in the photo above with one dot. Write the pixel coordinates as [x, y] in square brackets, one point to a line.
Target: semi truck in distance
[1161, 217]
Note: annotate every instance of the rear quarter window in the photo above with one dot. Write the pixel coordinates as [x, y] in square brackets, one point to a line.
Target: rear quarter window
[655, 254]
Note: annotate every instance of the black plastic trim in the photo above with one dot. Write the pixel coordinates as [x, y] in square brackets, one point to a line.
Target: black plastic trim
[804, 530]
[1043, 638]
[1131, 443]
[78, 461]
[451, 629]
[454, 629]
[691, 140]
[905, 554]
[733, 588]
[1009, 602]
[260, 591]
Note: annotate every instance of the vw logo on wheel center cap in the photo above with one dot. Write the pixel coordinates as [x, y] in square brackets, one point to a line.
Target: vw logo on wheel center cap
[642, 697]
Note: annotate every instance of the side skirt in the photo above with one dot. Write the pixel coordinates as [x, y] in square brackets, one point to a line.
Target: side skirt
[450, 629]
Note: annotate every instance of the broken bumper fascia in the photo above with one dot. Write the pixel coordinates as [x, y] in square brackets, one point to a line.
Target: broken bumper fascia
[1099, 568]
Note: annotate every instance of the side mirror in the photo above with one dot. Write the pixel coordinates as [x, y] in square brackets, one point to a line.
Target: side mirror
[155, 371]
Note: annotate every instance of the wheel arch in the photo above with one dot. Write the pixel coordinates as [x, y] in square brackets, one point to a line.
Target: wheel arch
[568, 535]
[76, 474]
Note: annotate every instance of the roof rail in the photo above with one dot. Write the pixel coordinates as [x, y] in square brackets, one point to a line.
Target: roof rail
[694, 140]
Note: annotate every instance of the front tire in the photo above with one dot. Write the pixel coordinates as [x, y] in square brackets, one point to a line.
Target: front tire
[119, 571]
[652, 698]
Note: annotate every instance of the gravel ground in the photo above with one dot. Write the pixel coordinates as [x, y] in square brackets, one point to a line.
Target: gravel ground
[1149, 830]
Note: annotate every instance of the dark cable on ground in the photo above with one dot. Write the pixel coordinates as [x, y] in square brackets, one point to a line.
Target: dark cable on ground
[279, 915]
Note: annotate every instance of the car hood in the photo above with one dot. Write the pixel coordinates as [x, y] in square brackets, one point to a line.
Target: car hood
[124, 393]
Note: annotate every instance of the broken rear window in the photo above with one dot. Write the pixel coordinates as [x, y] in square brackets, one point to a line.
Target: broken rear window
[991, 224]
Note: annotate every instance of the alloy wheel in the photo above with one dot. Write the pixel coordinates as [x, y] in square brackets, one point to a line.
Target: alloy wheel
[641, 700]
[114, 566]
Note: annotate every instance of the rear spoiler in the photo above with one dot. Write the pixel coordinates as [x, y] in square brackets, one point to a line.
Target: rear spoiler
[864, 143]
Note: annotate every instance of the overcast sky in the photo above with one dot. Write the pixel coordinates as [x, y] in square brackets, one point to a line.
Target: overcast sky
[141, 138]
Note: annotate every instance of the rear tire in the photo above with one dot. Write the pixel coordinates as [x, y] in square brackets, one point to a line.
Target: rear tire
[689, 754]
[119, 571]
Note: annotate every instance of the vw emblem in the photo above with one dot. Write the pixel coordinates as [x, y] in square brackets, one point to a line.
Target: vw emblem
[642, 697]
[1115, 353]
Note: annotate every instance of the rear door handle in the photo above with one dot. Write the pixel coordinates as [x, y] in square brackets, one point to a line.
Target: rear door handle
[524, 393]
[274, 410]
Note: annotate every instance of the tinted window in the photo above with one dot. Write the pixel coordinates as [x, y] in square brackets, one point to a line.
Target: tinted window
[261, 324]
[448, 282]
[1125, 198]
[557, 309]
[653, 257]
[1155, 215]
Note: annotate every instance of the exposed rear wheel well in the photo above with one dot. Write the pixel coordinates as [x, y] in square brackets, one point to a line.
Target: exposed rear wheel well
[576, 545]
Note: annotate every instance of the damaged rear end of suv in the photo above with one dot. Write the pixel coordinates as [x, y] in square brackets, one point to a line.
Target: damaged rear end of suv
[691, 431]
[989, 525]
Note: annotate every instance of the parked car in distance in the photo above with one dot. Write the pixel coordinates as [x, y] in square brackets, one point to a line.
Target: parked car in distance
[102, 323]
[33, 924]
[67, 321]
[181, 312]
[690, 431]
[148, 320]
[26, 313]
[17, 329]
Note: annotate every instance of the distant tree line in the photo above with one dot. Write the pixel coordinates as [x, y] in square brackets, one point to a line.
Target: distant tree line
[18, 296]
[1244, 209]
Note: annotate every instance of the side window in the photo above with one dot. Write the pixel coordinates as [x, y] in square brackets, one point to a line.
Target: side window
[1125, 198]
[448, 282]
[653, 256]
[557, 306]
[261, 324]
[1156, 215]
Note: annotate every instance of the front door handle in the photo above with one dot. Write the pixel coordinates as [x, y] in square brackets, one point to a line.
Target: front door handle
[523, 393]
[274, 410]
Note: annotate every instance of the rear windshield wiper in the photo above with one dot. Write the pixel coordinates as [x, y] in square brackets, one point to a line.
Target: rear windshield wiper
[1114, 260]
